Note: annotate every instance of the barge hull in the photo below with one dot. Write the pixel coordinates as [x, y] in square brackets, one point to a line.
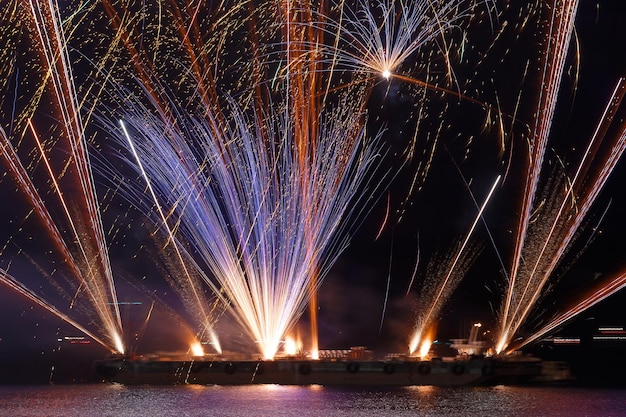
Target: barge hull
[296, 372]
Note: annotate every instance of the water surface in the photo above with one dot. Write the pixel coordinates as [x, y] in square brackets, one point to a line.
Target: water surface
[100, 400]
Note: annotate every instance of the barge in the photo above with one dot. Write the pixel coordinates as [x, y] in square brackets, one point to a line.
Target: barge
[437, 372]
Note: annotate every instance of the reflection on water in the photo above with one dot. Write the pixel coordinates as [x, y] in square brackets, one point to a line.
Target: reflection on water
[276, 401]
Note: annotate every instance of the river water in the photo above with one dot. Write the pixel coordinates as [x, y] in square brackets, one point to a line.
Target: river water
[273, 400]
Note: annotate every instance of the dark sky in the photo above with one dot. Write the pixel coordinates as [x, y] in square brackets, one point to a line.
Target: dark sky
[352, 296]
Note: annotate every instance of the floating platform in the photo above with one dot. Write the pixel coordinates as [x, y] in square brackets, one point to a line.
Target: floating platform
[436, 372]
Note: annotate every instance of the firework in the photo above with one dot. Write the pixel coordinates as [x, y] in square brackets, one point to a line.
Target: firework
[261, 187]
[249, 131]
[437, 290]
[547, 228]
[377, 39]
[75, 229]
[242, 207]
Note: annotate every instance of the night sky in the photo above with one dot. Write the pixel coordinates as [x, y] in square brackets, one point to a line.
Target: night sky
[373, 275]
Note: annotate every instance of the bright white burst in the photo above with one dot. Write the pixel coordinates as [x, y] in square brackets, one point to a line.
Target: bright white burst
[378, 37]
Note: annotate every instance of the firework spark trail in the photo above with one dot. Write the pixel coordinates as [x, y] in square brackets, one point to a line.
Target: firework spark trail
[560, 28]
[605, 290]
[272, 183]
[585, 192]
[253, 210]
[19, 287]
[48, 25]
[20, 175]
[371, 41]
[90, 265]
[147, 67]
[377, 39]
[199, 301]
[247, 219]
[469, 234]
[384, 222]
[415, 268]
[196, 89]
[451, 280]
[382, 317]
[384, 39]
[303, 80]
